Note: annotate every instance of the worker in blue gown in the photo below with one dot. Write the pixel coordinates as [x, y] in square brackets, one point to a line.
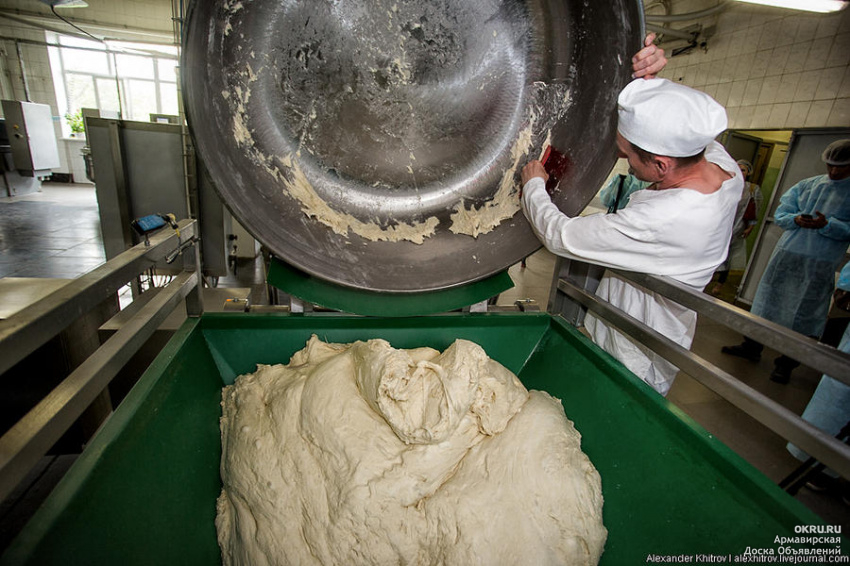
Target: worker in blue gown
[829, 407]
[799, 279]
[615, 195]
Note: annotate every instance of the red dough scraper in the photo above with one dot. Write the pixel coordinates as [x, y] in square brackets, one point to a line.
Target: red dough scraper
[556, 165]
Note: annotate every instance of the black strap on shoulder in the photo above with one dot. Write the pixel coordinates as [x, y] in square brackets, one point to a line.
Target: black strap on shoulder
[616, 204]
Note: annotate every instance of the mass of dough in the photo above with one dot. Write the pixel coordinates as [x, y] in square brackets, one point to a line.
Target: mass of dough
[364, 454]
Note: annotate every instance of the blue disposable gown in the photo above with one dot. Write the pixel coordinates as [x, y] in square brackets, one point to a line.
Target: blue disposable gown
[829, 408]
[800, 276]
[630, 185]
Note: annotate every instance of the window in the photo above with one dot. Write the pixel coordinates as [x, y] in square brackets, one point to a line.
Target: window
[134, 79]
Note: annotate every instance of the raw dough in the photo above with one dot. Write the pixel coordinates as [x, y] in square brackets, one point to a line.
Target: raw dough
[363, 454]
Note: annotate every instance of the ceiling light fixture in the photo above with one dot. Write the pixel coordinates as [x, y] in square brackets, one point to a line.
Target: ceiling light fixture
[65, 3]
[821, 6]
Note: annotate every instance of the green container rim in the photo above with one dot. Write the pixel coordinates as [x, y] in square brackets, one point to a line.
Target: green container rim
[537, 327]
[358, 301]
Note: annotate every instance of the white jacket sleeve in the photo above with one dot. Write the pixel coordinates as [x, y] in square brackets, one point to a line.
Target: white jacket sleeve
[609, 240]
[548, 222]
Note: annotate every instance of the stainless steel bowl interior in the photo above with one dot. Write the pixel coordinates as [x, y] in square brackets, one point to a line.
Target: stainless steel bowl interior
[378, 144]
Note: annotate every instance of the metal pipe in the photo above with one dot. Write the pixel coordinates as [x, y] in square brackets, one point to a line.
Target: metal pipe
[814, 441]
[820, 357]
[179, 251]
[690, 15]
[26, 22]
[195, 298]
[672, 32]
[123, 33]
[105, 49]
[119, 174]
[23, 71]
[117, 87]
[23, 332]
[31, 437]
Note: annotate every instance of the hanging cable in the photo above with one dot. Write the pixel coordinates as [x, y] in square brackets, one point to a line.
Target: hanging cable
[73, 25]
[722, 5]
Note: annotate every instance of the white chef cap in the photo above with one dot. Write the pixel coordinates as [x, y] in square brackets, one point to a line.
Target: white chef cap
[667, 118]
[837, 153]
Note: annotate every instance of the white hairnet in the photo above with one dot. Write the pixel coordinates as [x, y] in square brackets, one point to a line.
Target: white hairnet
[837, 153]
[667, 118]
[746, 165]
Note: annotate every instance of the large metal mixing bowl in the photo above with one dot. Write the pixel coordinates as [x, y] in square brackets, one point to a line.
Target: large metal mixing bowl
[378, 144]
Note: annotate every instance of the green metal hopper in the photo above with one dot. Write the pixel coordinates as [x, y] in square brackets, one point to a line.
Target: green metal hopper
[144, 490]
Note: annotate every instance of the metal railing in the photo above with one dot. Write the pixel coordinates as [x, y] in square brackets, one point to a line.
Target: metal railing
[826, 359]
[22, 333]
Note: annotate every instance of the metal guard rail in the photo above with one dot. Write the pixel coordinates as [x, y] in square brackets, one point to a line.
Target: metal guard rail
[815, 442]
[23, 332]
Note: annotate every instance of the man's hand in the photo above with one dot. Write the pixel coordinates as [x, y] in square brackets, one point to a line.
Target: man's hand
[747, 231]
[813, 223]
[842, 299]
[649, 61]
[819, 221]
[534, 169]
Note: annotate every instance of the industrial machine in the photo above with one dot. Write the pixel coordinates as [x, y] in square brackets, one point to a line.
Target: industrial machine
[380, 149]
[141, 169]
[28, 146]
[375, 151]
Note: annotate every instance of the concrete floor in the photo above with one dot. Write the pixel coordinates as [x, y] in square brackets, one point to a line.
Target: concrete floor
[52, 233]
[55, 233]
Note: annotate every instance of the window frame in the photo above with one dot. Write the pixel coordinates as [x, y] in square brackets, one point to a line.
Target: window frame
[157, 53]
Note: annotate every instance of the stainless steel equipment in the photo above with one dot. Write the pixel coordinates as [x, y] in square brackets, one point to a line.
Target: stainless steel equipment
[140, 170]
[32, 137]
[13, 183]
[378, 146]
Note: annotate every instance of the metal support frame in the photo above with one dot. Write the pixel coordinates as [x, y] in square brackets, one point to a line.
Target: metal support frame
[480, 306]
[690, 36]
[787, 424]
[22, 333]
[195, 297]
[820, 357]
[585, 275]
[120, 182]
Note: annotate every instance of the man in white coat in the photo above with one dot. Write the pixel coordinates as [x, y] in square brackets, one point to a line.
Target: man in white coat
[679, 226]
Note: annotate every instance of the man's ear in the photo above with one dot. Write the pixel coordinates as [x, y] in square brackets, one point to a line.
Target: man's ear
[662, 165]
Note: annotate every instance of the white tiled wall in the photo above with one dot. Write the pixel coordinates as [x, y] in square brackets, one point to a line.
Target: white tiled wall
[772, 68]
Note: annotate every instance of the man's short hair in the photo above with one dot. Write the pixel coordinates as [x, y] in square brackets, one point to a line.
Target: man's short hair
[647, 157]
